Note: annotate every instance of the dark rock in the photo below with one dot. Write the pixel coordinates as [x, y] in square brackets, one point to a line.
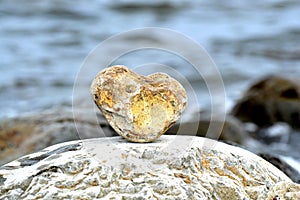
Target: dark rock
[270, 100]
[232, 129]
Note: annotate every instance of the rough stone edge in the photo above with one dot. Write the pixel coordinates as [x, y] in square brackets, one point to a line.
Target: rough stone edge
[196, 142]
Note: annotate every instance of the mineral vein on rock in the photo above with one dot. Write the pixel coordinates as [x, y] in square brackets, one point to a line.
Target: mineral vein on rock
[139, 108]
[70, 171]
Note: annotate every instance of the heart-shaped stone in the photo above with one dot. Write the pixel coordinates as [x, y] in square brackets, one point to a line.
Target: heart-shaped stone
[139, 108]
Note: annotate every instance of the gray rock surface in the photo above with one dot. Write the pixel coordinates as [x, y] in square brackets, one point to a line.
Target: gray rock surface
[173, 167]
[32, 132]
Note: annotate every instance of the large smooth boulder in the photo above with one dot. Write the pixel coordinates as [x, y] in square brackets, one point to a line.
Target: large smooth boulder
[270, 100]
[173, 167]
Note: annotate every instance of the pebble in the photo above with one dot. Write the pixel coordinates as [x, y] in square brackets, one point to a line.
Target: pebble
[139, 108]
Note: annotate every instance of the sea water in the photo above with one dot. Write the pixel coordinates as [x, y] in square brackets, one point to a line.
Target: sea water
[43, 44]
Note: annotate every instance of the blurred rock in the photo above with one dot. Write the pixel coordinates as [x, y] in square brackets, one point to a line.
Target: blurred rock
[32, 132]
[232, 130]
[279, 133]
[70, 170]
[270, 100]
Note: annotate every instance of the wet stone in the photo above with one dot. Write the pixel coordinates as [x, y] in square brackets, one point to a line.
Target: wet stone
[139, 108]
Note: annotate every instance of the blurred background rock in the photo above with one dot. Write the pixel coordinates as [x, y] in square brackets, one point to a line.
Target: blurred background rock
[44, 43]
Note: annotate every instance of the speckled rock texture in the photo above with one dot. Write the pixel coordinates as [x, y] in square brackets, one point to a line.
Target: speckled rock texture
[139, 108]
[111, 168]
[270, 100]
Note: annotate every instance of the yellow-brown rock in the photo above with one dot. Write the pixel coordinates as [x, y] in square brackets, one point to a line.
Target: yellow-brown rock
[139, 108]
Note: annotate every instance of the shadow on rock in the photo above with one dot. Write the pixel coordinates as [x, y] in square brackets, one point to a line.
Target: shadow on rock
[232, 129]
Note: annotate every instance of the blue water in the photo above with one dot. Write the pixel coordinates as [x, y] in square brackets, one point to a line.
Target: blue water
[44, 43]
